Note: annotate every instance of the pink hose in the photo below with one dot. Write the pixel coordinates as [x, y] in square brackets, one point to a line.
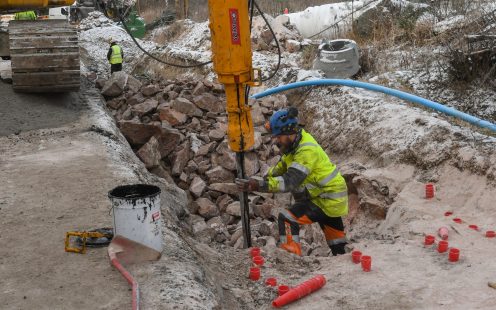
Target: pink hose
[129, 278]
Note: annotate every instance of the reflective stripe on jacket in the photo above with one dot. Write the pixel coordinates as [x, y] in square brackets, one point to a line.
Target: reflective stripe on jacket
[116, 56]
[324, 183]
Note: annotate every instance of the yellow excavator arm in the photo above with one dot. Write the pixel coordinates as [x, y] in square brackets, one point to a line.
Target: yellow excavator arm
[23, 5]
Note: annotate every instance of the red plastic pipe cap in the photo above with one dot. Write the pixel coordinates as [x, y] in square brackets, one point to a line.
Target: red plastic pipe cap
[457, 220]
[474, 227]
[448, 213]
[271, 281]
[258, 260]
[356, 256]
[255, 252]
[490, 234]
[429, 240]
[454, 255]
[442, 246]
[429, 191]
[254, 273]
[366, 263]
[283, 289]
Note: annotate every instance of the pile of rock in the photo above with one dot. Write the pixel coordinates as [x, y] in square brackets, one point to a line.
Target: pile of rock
[178, 129]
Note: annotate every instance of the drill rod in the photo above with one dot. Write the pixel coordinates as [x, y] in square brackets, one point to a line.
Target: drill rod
[243, 200]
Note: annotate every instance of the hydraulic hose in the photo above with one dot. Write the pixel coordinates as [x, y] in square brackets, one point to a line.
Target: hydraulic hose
[385, 90]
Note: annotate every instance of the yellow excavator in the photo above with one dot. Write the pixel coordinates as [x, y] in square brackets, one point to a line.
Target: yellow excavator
[44, 53]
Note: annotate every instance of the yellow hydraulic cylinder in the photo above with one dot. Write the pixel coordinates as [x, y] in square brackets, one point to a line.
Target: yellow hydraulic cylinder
[13, 5]
[231, 54]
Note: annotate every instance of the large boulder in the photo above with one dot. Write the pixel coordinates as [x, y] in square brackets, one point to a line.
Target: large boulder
[185, 106]
[116, 85]
[209, 102]
[138, 133]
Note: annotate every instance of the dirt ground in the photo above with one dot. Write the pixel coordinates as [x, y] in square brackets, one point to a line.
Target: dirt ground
[54, 180]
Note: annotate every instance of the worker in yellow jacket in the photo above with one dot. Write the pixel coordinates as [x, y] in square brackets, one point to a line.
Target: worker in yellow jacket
[320, 192]
[115, 56]
[27, 15]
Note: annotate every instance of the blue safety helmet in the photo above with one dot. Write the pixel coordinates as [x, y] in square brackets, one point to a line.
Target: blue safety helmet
[284, 122]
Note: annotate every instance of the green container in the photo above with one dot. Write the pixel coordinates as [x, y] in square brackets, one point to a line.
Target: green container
[136, 25]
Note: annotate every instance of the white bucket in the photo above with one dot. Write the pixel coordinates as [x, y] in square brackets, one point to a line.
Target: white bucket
[136, 210]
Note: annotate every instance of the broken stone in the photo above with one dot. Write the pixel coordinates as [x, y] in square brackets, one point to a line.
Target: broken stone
[133, 84]
[197, 223]
[197, 187]
[257, 115]
[223, 201]
[99, 83]
[172, 95]
[226, 188]
[216, 134]
[206, 149]
[136, 99]
[207, 209]
[235, 237]
[149, 153]
[115, 85]
[292, 46]
[234, 209]
[145, 108]
[150, 90]
[219, 175]
[183, 177]
[199, 89]
[215, 222]
[162, 173]
[203, 166]
[172, 116]
[187, 107]
[168, 139]
[191, 167]
[181, 159]
[252, 166]
[136, 132]
[209, 102]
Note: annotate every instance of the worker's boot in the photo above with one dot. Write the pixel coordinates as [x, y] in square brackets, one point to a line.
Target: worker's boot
[292, 247]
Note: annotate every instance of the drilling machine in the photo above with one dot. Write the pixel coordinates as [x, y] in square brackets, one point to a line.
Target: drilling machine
[232, 59]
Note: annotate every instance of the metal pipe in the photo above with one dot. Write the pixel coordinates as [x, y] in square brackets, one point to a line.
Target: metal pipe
[388, 91]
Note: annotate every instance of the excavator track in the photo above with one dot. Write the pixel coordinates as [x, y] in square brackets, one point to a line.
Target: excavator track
[44, 56]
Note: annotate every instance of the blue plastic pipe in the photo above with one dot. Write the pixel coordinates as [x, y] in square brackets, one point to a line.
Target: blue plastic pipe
[388, 91]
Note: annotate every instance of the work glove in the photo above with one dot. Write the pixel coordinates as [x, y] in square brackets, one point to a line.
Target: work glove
[245, 185]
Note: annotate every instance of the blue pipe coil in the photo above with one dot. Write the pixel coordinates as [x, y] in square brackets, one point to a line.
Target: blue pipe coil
[388, 91]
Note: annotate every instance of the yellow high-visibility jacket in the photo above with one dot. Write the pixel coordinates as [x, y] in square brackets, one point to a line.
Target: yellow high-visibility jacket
[323, 182]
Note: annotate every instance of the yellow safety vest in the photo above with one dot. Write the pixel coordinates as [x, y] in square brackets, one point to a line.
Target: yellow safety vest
[324, 183]
[28, 15]
[116, 56]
